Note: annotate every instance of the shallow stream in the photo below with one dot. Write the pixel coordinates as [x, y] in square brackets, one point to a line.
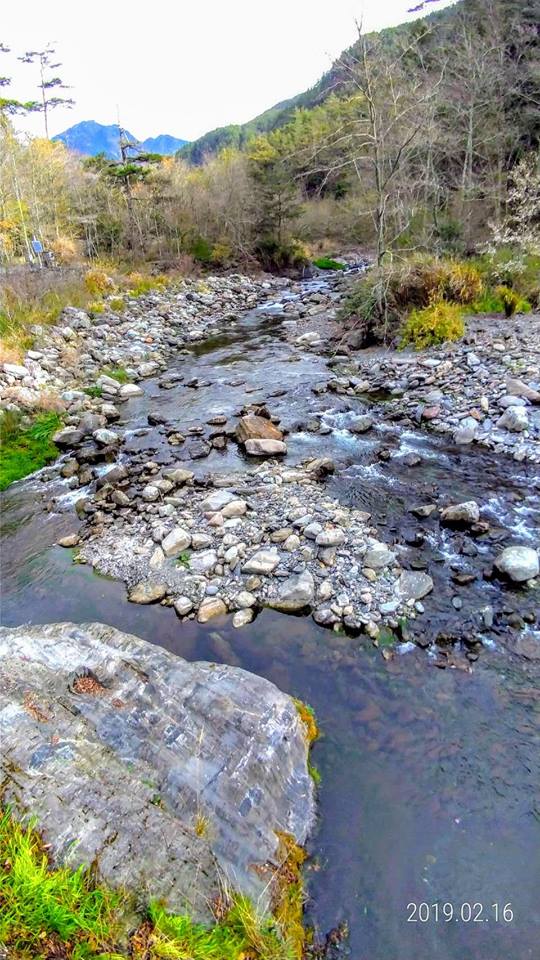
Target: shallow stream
[430, 777]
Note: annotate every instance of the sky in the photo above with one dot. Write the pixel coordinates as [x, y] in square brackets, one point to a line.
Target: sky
[182, 67]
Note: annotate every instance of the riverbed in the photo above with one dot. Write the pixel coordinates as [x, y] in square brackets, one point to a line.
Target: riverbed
[429, 759]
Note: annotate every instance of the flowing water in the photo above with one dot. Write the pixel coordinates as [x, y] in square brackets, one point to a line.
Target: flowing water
[430, 777]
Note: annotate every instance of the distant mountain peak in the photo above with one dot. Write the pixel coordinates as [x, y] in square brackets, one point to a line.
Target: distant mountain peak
[90, 138]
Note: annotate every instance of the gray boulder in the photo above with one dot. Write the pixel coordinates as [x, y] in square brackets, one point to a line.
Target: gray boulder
[295, 593]
[117, 747]
[461, 513]
[519, 563]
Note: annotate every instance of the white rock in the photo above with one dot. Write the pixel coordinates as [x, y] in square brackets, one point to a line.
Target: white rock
[203, 562]
[332, 537]
[265, 448]
[130, 390]
[217, 500]
[242, 618]
[264, 561]
[514, 419]
[519, 563]
[183, 606]
[176, 541]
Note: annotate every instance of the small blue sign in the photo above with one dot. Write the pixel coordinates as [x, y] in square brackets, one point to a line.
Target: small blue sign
[37, 246]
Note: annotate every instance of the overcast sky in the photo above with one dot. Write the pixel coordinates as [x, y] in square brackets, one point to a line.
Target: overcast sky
[183, 66]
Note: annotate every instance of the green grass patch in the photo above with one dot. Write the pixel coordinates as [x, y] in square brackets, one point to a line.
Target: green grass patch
[41, 905]
[26, 447]
[94, 391]
[116, 373]
[326, 263]
[49, 911]
[183, 560]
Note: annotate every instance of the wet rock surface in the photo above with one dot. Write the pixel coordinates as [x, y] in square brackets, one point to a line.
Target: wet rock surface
[124, 748]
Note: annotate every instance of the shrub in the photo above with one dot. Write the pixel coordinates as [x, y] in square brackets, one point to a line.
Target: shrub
[116, 304]
[439, 322]
[97, 282]
[26, 446]
[510, 300]
[326, 263]
[276, 255]
[140, 283]
[385, 295]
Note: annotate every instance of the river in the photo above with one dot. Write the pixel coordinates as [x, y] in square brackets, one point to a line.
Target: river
[429, 777]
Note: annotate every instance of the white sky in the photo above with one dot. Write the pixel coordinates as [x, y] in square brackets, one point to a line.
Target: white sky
[183, 66]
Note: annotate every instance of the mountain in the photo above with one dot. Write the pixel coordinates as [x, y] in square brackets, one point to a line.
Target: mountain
[91, 138]
[164, 144]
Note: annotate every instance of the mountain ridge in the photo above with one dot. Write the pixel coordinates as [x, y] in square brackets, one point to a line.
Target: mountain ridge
[91, 138]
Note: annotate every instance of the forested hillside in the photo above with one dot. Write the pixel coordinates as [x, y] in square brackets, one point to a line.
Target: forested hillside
[420, 137]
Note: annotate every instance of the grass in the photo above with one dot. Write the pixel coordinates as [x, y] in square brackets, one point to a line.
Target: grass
[116, 373]
[307, 716]
[41, 905]
[183, 560]
[26, 447]
[326, 263]
[49, 911]
[94, 391]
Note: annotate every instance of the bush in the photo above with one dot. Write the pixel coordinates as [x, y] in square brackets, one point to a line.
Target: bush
[275, 255]
[140, 283]
[97, 282]
[513, 268]
[385, 295]
[433, 325]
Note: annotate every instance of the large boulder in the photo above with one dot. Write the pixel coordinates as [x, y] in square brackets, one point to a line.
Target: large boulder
[519, 563]
[119, 748]
[252, 427]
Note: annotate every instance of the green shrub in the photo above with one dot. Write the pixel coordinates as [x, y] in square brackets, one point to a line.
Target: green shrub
[25, 447]
[93, 391]
[276, 255]
[326, 263]
[385, 295]
[432, 325]
[201, 250]
[140, 283]
[512, 268]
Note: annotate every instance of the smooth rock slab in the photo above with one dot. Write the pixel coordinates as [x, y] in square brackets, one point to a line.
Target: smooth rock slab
[518, 563]
[202, 738]
[414, 585]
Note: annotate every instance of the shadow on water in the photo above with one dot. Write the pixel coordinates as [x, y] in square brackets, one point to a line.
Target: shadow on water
[429, 778]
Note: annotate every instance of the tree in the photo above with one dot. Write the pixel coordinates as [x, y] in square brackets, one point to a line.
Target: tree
[47, 82]
[7, 104]
[133, 168]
